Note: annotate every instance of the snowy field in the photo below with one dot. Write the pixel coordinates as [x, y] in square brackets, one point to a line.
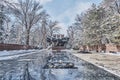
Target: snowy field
[116, 54]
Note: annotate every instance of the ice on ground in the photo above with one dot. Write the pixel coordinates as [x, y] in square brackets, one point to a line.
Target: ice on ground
[116, 54]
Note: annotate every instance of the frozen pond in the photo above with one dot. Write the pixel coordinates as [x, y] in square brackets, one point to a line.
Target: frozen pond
[31, 67]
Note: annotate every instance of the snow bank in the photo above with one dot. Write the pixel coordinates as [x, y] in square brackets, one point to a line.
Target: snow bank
[5, 55]
[13, 52]
[116, 54]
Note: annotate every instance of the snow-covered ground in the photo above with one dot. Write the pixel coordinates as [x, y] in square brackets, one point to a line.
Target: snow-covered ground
[4, 55]
[116, 54]
[13, 52]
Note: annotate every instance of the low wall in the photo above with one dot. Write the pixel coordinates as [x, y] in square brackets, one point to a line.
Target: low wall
[58, 48]
[97, 48]
[14, 47]
[112, 48]
[102, 48]
[118, 47]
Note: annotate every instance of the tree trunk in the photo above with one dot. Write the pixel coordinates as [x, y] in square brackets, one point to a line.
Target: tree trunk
[27, 37]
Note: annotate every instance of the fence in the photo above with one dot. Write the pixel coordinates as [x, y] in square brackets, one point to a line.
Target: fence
[14, 47]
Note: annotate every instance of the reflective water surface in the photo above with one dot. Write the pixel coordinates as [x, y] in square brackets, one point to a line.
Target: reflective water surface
[31, 67]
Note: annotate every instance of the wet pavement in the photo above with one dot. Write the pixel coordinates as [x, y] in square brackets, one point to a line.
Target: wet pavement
[31, 67]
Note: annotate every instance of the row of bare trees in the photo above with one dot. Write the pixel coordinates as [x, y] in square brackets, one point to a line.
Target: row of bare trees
[27, 23]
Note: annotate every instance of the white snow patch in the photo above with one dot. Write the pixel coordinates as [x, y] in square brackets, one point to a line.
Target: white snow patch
[5, 55]
[13, 52]
[115, 54]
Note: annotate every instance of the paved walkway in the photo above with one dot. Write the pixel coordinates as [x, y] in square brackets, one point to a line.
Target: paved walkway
[108, 62]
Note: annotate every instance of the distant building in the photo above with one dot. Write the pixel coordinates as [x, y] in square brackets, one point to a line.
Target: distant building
[58, 40]
[58, 36]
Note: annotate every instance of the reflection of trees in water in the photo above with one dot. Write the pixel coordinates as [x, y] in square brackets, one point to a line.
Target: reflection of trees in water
[61, 74]
[32, 70]
[48, 75]
[21, 73]
[76, 75]
[26, 69]
[26, 73]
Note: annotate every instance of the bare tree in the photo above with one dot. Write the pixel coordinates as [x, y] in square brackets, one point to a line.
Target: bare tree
[117, 6]
[3, 18]
[28, 13]
[71, 33]
[53, 27]
[44, 30]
